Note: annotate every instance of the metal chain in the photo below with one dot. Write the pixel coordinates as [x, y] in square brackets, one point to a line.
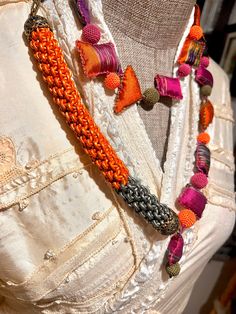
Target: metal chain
[147, 205]
[35, 7]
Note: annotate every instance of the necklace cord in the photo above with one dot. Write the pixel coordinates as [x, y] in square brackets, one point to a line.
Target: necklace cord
[35, 6]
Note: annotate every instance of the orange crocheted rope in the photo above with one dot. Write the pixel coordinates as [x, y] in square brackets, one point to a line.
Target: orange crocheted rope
[58, 78]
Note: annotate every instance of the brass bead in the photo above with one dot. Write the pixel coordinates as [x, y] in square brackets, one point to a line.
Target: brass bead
[33, 22]
[206, 90]
[173, 270]
[150, 97]
[172, 226]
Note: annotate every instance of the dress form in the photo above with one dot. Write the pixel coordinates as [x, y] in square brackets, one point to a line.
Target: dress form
[104, 261]
[147, 34]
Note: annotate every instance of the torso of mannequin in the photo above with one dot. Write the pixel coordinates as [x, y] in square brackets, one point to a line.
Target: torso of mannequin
[147, 34]
[68, 243]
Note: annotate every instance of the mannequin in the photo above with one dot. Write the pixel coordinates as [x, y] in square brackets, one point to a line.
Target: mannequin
[68, 243]
[150, 51]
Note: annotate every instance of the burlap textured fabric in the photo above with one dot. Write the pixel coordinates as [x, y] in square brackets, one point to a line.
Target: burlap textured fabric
[147, 34]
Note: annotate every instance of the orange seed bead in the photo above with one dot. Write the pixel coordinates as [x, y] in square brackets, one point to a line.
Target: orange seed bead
[187, 218]
[203, 138]
[112, 81]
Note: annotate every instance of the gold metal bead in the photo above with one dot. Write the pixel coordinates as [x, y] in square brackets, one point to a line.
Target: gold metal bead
[173, 270]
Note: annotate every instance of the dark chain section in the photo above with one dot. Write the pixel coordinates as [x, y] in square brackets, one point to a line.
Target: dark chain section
[147, 205]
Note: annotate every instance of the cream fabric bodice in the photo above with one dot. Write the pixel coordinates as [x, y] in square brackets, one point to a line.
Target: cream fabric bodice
[68, 244]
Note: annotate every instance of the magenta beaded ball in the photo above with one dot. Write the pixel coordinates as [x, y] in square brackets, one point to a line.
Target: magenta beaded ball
[184, 70]
[91, 34]
[199, 180]
[205, 62]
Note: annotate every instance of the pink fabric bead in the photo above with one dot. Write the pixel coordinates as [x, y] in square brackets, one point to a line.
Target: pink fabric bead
[91, 34]
[184, 70]
[205, 62]
[175, 249]
[193, 199]
[199, 180]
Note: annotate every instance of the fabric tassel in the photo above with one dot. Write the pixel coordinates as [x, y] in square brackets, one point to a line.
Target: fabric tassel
[191, 52]
[168, 86]
[175, 249]
[193, 199]
[203, 158]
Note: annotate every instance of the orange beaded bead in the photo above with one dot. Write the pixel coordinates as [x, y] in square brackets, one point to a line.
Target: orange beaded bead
[203, 138]
[195, 32]
[112, 81]
[187, 218]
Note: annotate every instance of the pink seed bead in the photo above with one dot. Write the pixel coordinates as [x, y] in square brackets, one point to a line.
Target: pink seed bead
[199, 180]
[91, 34]
[184, 70]
[205, 62]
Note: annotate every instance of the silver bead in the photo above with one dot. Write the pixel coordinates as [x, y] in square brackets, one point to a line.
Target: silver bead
[23, 204]
[67, 280]
[127, 239]
[49, 255]
[119, 284]
[75, 175]
[31, 164]
[97, 216]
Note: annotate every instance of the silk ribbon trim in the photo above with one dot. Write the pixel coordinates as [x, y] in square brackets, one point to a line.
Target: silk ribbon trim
[98, 59]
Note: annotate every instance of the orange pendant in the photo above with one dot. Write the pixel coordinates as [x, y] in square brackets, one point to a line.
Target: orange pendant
[206, 114]
[129, 92]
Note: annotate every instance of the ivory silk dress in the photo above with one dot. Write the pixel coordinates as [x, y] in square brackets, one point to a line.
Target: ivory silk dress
[68, 244]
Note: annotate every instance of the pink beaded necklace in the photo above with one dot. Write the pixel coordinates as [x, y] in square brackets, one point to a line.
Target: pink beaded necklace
[193, 55]
[101, 59]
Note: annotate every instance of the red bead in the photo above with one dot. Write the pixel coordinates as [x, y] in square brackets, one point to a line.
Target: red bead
[184, 70]
[199, 180]
[91, 33]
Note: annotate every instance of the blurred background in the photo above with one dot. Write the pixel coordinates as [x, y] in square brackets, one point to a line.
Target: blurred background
[215, 291]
